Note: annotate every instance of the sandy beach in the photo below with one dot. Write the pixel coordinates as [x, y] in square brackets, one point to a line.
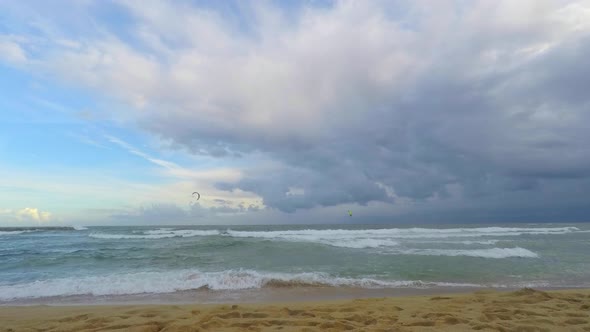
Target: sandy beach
[522, 310]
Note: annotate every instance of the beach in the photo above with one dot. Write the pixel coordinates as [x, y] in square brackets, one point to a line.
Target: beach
[486, 310]
[533, 277]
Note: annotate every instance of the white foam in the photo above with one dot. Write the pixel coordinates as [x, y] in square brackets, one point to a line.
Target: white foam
[403, 233]
[79, 228]
[182, 232]
[334, 238]
[488, 242]
[464, 242]
[390, 237]
[363, 238]
[484, 253]
[156, 234]
[174, 281]
[361, 243]
[2, 233]
[159, 231]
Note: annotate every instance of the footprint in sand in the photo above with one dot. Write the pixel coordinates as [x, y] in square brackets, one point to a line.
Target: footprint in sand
[254, 315]
[73, 319]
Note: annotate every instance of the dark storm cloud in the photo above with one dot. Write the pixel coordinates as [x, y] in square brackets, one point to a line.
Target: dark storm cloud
[506, 130]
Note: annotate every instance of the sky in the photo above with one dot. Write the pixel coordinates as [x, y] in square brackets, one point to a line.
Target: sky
[114, 112]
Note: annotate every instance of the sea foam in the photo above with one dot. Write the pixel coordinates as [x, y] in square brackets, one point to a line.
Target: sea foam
[183, 280]
[379, 238]
[156, 234]
[371, 238]
[483, 253]
[401, 233]
[2, 233]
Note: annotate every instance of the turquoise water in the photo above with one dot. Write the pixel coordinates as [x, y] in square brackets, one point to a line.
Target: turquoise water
[98, 261]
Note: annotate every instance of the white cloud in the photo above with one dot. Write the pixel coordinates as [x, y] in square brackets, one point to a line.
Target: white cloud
[162, 163]
[25, 216]
[33, 214]
[11, 51]
[293, 79]
[282, 84]
[189, 180]
[175, 170]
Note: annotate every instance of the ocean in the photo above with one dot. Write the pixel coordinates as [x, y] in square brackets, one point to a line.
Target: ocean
[206, 263]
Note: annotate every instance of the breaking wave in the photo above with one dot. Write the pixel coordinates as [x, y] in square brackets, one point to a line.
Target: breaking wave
[183, 280]
[483, 253]
[378, 238]
[372, 238]
[2, 233]
[402, 233]
[156, 234]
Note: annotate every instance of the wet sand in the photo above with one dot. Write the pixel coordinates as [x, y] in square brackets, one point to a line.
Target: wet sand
[258, 295]
[484, 310]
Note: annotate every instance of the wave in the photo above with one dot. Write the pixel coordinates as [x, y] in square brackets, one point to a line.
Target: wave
[156, 234]
[80, 228]
[360, 239]
[20, 230]
[360, 243]
[159, 231]
[483, 253]
[405, 233]
[465, 242]
[2, 233]
[336, 238]
[390, 237]
[183, 280]
[488, 242]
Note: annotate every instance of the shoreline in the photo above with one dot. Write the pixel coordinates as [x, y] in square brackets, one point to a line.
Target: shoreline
[525, 309]
[259, 295]
[254, 296]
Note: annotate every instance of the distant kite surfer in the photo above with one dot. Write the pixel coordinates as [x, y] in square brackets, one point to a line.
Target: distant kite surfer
[196, 197]
[350, 213]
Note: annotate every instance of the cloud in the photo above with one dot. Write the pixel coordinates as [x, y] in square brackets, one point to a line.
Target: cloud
[133, 150]
[11, 50]
[26, 215]
[203, 179]
[87, 140]
[173, 169]
[33, 214]
[447, 104]
[172, 214]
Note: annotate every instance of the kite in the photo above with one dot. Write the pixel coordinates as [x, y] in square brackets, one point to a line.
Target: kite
[196, 197]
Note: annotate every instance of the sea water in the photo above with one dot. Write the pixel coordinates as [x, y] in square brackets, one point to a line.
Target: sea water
[37, 264]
